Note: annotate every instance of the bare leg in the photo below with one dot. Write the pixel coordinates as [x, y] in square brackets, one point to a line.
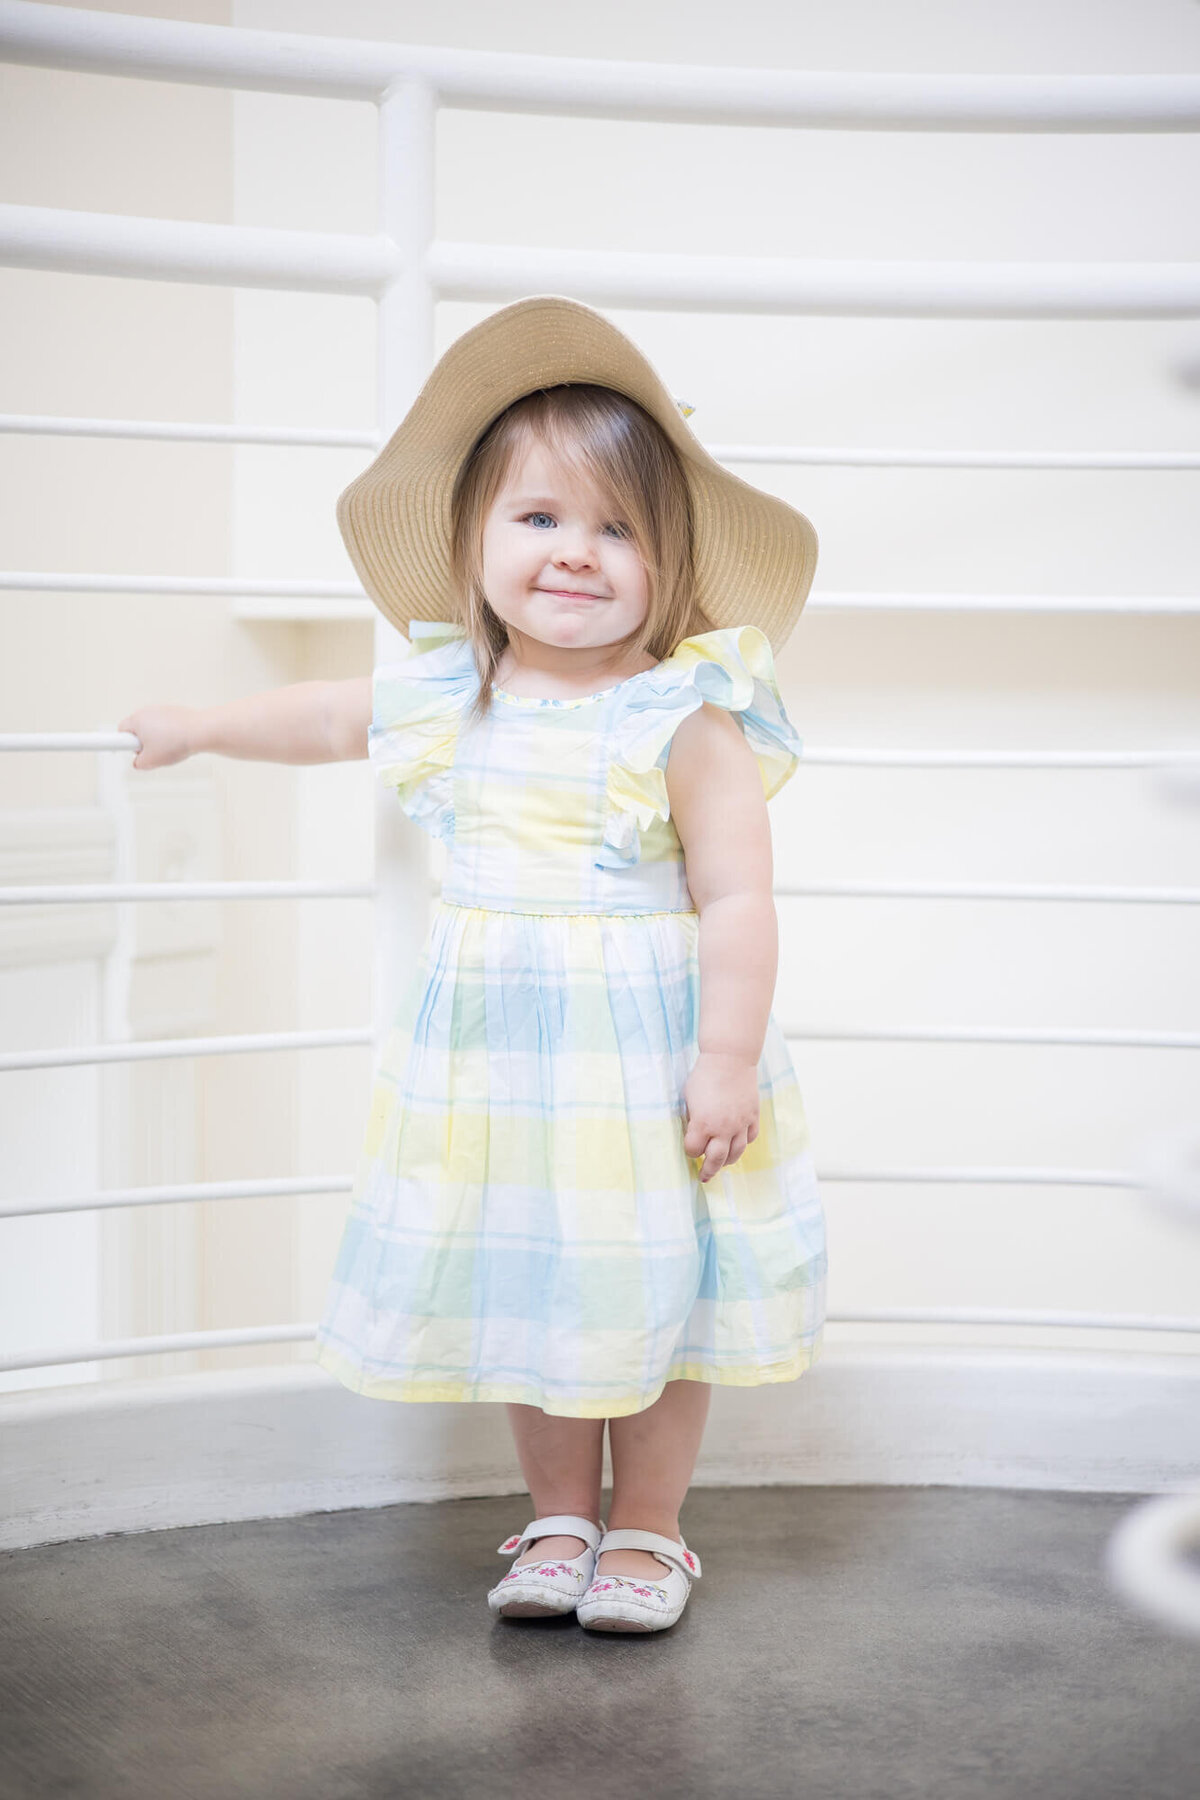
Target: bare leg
[653, 1455]
[562, 1461]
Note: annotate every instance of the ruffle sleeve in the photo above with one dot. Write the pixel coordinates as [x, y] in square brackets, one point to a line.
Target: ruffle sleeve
[417, 704]
[733, 668]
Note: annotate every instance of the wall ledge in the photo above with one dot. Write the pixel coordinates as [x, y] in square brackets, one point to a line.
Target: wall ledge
[270, 1443]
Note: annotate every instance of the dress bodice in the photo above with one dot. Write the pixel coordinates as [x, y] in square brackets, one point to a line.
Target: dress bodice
[561, 806]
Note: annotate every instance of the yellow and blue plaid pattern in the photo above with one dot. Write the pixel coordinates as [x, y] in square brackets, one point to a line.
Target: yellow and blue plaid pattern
[525, 1224]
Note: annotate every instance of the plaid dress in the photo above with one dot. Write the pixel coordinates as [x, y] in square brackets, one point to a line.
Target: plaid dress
[525, 1223]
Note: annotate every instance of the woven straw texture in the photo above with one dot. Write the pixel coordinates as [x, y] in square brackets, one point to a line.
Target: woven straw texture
[755, 555]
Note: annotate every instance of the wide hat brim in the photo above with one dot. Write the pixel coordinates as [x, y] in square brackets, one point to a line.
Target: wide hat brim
[755, 555]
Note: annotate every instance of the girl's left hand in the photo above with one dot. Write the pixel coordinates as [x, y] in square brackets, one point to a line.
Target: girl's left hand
[721, 1095]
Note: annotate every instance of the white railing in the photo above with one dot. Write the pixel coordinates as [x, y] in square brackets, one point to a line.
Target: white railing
[408, 272]
[33, 424]
[342, 600]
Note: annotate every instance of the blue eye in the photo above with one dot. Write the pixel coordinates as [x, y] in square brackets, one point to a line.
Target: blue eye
[621, 531]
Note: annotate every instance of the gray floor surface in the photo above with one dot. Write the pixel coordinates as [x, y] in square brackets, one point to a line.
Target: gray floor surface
[931, 1643]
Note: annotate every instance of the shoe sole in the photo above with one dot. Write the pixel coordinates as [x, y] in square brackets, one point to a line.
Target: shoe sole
[531, 1605]
[526, 1605]
[614, 1623]
[618, 1625]
[531, 1609]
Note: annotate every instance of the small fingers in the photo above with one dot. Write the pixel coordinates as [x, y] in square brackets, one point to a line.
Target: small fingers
[721, 1153]
[715, 1154]
[694, 1140]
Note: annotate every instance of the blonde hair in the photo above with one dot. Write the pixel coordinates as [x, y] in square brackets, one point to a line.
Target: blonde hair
[608, 440]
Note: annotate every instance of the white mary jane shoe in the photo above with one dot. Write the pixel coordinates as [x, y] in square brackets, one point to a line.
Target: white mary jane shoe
[538, 1590]
[626, 1602]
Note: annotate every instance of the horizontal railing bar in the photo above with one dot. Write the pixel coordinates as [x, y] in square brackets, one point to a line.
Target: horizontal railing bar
[68, 740]
[865, 288]
[164, 1345]
[989, 1315]
[995, 1034]
[894, 600]
[108, 892]
[187, 431]
[71, 581]
[903, 758]
[360, 608]
[850, 756]
[171, 1193]
[212, 255]
[986, 890]
[294, 1334]
[71, 1056]
[93, 243]
[846, 456]
[827, 456]
[985, 1175]
[362, 69]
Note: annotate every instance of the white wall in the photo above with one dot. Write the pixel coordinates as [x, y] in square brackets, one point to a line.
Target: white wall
[922, 679]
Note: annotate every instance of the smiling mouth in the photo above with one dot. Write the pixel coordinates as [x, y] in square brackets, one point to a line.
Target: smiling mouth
[569, 594]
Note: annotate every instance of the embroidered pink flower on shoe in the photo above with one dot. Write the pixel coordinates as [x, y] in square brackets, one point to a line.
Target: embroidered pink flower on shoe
[689, 1559]
[542, 1569]
[510, 1543]
[651, 1591]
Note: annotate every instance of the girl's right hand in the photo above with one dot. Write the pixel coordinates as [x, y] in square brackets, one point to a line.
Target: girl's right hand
[165, 733]
[721, 1102]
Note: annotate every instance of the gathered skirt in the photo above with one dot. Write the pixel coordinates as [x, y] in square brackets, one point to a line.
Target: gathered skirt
[525, 1224]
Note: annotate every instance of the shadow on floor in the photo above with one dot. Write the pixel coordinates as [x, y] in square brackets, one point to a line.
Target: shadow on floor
[943, 1644]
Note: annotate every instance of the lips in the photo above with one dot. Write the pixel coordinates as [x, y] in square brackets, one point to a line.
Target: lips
[569, 594]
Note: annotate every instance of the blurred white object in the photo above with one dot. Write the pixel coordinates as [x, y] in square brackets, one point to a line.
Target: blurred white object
[1153, 1560]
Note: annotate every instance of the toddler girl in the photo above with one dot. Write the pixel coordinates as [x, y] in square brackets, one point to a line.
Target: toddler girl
[586, 1189]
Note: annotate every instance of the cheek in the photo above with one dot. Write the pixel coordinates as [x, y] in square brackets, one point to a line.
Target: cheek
[514, 554]
[497, 560]
[632, 574]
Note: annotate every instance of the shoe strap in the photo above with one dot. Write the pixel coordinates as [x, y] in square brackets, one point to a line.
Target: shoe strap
[677, 1554]
[554, 1525]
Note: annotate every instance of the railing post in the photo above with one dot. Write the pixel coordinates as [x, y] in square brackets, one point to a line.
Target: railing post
[407, 124]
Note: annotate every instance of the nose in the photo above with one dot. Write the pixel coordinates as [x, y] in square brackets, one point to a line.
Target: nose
[575, 549]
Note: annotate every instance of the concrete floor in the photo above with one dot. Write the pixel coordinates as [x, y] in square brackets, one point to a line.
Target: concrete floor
[842, 1642]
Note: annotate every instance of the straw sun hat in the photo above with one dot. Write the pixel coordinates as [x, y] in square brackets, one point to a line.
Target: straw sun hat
[754, 554]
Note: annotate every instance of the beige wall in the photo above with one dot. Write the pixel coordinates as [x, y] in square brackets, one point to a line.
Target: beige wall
[850, 678]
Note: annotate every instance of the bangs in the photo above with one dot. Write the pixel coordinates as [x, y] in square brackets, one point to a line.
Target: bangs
[603, 442]
[597, 461]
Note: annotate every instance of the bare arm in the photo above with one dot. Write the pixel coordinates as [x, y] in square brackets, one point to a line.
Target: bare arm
[720, 814]
[307, 722]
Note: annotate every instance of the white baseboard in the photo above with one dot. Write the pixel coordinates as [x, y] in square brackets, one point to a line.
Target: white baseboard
[200, 1449]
